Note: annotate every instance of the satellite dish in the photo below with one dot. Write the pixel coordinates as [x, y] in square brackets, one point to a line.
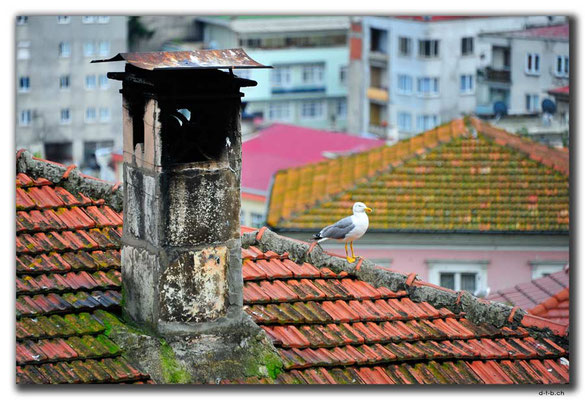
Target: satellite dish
[500, 108]
[549, 106]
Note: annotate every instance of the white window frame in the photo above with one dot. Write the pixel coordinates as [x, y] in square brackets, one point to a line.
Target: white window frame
[532, 101]
[541, 268]
[65, 121]
[466, 84]
[63, 19]
[103, 19]
[23, 50]
[24, 88]
[458, 267]
[434, 49]
[469, 52]
[564, 71]
[318, 107]
[90, 115]
[424, 125]
[62, 79]
[433, 86]
[21, 20]
[103, 48]
[103, 82]
[408, 41]
[341, 109]
[280, 77]
[313, 74]
[532, 66]
[256, 219]
[404, 84]
[343, 75]
[88, 19]
[65, 49]
[88, 80]
[279, 111]
[25, 118]
[88, 49]
[105, 114]
[401, 117]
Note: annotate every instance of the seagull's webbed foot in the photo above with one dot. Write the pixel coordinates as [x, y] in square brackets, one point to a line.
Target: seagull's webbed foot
[350, 259]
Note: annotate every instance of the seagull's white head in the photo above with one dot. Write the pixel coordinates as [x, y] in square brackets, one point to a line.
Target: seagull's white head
[360, 207]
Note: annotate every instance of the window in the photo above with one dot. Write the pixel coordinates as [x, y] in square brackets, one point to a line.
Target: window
[404, 46]
[312, 110]
[64, 82]
[428, 86]
[341, 109]
[102, 19]
[378, 40]
[65, 116]
[25, 118]
[458, 275]
[313, 74]
[90, 115]
[562, 66]
[63, 19]
[280, 77]
[90, 82]
[279, 111]
[428, 48]
[533, 64]
[242, 217]
[466, 84]
[104, 82]
[343, 74]
[59, 152]
[404, 84]
[426, 122]
[466, 46]
[24, 84]
[91, 147]
[104, 114]
[21, 20]
[404, 122]
[64, 49]
[104, 48]
[541, 269]
[532, 102]
[257, 220]
[23, 50]
[88, 19]
[88, 49]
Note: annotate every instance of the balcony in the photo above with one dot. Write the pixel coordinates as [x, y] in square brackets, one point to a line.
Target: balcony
[377, 94]
[495, 75]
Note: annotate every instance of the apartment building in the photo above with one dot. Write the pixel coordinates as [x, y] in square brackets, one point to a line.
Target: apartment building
[308, 84]
[521, 67]
[410, 74]
[66, 107]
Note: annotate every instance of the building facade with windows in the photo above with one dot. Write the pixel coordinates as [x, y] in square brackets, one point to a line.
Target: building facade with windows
[520, 67]
[410, 74]
[66, 107]
[309, 55]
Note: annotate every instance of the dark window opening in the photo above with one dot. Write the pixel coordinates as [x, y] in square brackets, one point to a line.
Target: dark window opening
[466, 46]
[59, 152]
[378, 40]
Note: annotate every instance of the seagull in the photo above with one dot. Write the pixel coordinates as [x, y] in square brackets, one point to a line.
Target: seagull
[347, 229]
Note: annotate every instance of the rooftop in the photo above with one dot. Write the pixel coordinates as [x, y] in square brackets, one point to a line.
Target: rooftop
[331, 321]
[282, 146]
[551, 32]
[445, 179]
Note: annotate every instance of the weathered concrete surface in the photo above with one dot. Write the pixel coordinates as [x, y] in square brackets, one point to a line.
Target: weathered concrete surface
[139, 270]
[240, 352]
[194, 287]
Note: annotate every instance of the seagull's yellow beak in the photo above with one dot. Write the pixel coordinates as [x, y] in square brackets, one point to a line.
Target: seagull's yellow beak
[368, 209]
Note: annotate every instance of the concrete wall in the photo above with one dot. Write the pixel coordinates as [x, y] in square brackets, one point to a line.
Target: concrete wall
[46, 100]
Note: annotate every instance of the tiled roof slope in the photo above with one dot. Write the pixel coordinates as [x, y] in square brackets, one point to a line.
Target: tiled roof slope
[336, 328]
[441, 180]
[67, 286]
[547, 297]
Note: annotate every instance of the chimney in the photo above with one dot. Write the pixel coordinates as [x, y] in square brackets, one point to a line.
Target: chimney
[181, 251]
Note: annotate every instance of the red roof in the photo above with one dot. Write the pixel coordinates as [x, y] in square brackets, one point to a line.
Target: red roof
[541, 32]
[329, 325]
[560, 90]
[283, 146]
[435, 18]
[67, 285]
[547, 297]
[335, 327]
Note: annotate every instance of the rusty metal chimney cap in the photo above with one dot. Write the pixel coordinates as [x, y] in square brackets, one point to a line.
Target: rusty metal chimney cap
[196, 59]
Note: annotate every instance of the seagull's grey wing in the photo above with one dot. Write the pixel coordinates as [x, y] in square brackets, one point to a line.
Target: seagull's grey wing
[338, 230]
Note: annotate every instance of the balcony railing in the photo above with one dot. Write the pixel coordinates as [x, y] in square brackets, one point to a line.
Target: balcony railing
[379, 94]
[496, 75]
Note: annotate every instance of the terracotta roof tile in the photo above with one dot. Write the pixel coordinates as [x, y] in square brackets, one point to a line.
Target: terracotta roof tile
[441, 180]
